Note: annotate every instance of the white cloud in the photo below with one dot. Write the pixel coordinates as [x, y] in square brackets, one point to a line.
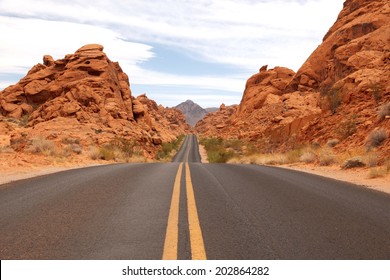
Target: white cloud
[25, 41]
[245, 34]
[229, 31]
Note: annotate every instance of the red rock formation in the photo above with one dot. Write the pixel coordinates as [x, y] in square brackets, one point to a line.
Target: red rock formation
[87, 94]
[215, 123]
[346, 79]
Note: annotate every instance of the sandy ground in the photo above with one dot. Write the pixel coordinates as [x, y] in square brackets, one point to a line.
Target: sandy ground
[358, 176]
[18, 166]
[203, 154]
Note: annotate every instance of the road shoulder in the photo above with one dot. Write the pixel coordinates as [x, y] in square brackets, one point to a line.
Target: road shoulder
[356, 176]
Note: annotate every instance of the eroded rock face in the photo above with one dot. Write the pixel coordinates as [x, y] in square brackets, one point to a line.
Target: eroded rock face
[345, 80]
[85, 85]
[87, 90]
[216, 123]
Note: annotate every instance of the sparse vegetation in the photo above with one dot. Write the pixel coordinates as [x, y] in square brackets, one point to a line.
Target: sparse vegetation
[220, 150]
[376, 138]
[377, 173]
[384, 111]
[24, 120]
[334, 99]
[118, 149]
[94, 152]
[353, 163]
[347, 127]
[308, 157]
[168, 149]
[44, 146]
[372, 159]
[326, 157]
[377, 92]
[332, 143]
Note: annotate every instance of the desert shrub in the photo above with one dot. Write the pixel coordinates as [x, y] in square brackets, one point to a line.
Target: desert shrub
[377, 92]
[106, 153]
[326, 157]
[293, 156]
[308, 157]
[93, 152]
[219, 156]
[219, 150]
[384, 111]
[44, 146]
[347, 127]
[376, 138]
[377, 173]
[24, 120]
[371, 159]
[334, 99]
[123, 146]
[168, 148]
[332, 143]
[353, 163]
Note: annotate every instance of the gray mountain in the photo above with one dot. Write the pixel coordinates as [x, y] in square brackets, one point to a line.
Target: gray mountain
[193, 111]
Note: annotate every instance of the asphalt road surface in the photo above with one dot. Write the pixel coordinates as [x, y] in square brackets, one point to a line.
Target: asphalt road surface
[189, 210]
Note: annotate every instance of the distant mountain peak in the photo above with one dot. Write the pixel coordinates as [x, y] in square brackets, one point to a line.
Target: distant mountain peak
[192, 111]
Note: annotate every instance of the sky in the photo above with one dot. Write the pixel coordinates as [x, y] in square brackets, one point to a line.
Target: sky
[172, 50]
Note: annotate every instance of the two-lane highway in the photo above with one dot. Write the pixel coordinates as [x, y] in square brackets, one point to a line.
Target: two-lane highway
[189, 210]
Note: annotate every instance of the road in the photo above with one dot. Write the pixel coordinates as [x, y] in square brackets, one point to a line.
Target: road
[189, 210]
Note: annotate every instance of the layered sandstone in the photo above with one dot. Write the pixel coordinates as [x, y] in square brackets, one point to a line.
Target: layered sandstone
[86, 96]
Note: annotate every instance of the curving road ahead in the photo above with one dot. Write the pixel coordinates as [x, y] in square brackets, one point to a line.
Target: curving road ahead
[189, 210]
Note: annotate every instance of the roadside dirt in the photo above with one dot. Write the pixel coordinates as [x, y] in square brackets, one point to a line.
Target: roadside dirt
[203, 154]
[18, 166]
[357, 176]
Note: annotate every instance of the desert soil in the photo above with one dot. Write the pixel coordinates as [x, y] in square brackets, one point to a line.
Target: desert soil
[358, 176]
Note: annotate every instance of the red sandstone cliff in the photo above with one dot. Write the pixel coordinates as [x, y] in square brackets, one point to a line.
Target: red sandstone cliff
[341, 91]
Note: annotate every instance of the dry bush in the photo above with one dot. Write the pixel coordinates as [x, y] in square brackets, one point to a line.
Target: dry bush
[261, 159]
[326, 157]
[94, 153]
[44, 146]
[376, 138]
[377, 173]
[371, 159]
[332, 143]
[384, 111]
[334, 99]
[353, 163]
[308, 157]
[347, 127]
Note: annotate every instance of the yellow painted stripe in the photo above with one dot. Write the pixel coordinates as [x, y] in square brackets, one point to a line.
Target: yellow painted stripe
[198, 251]
[171, 236]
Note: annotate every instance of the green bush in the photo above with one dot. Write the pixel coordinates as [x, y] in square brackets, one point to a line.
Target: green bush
[167, 148]
[220, 150]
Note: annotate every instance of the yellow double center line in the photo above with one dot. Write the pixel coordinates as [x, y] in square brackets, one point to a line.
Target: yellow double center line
[198, 251]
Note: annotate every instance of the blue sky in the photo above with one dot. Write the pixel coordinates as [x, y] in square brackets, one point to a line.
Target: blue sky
[172, 50]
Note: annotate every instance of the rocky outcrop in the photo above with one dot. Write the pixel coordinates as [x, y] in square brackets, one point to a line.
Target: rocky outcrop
[216, 123]
[85, 85]
[265, 109]
[87, 94]
[343, 84]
